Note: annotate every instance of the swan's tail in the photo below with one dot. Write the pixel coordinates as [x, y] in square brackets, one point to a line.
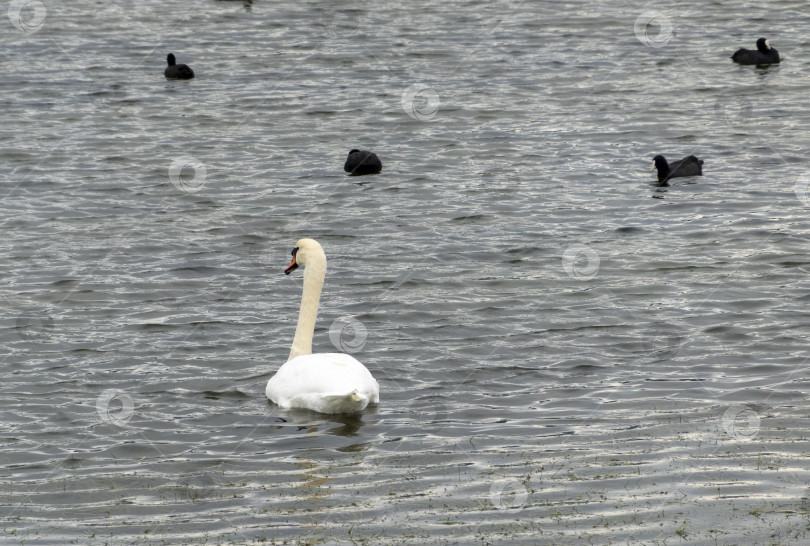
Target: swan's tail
[346, 402]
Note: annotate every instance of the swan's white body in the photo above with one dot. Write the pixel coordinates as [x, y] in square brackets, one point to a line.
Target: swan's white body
[325, 382]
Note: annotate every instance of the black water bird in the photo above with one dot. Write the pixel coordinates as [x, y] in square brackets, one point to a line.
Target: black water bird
[688, 166]
[177, 71]
[362, 162]
[764, 54]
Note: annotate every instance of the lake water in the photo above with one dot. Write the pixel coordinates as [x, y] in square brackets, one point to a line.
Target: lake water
[566, 352]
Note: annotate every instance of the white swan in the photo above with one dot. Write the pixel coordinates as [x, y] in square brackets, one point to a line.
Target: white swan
[324, 382]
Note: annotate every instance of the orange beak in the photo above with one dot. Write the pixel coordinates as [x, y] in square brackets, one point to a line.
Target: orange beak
[293, 264]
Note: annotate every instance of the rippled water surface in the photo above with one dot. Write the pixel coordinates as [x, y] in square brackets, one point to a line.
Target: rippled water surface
[566, 352]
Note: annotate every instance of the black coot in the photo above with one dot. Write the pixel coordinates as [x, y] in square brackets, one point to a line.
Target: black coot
[177, 71]
[764, 54]
[688, 166]
[362, 162]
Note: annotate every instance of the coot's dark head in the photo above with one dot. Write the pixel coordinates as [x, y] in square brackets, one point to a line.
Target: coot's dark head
[171, 59]
[660, 163]
[763, 46]
[353, 151]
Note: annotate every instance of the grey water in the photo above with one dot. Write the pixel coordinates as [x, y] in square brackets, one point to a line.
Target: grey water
[566, 352]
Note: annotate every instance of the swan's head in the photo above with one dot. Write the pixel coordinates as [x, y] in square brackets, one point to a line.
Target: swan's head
[305, 249]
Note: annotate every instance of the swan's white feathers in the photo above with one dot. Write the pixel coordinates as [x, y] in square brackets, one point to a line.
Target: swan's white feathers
[325, 382]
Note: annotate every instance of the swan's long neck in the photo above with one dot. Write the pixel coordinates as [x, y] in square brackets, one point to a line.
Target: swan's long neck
[314, 273]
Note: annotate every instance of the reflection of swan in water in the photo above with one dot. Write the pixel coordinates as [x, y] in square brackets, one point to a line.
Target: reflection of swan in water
[302, 420]
[316, 486]
[324, 382]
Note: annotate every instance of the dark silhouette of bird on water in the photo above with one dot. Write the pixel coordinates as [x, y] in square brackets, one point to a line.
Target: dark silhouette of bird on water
[177, 71]
[688, 166]
[764, 54]
[362, 162]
